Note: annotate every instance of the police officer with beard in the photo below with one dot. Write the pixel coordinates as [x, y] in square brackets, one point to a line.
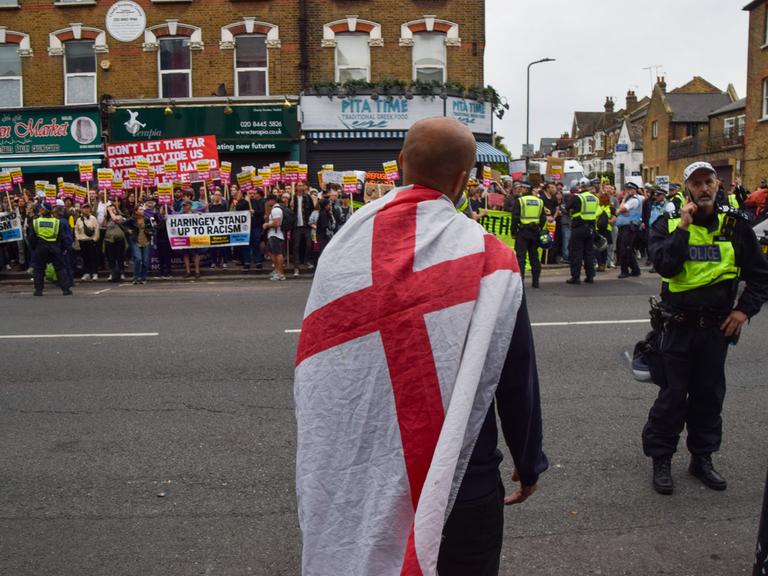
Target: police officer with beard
[702, 254]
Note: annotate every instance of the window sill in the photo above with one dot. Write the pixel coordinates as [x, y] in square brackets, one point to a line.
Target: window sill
[78, 3]
[762, 120]
[764, 46]
[9, 6]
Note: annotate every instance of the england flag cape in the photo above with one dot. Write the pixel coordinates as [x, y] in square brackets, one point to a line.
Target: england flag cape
[404, 338]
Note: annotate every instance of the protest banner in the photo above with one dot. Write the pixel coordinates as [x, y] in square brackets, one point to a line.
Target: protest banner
[16, 176]
[185, 151]
[349, 182]
[487, 177]
[165, 193]
[245, 181]
[225, 173]
[6, 183]
[81, 195]
[499, 223]
[86, 171]
[105, 176]
[50, 194]
[211, 229]
[391, 171]
[10, 226]
[303, 174]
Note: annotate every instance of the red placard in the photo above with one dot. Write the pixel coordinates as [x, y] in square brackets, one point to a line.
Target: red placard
[186, 151]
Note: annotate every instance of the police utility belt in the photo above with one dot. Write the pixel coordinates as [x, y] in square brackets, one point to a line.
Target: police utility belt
[662, 316]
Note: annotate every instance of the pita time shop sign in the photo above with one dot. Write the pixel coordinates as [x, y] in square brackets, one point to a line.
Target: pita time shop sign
[185, 152]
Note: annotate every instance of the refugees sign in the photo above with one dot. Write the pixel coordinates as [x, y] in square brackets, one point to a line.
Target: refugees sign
[185, 151]
[10, 227]
[206, 230]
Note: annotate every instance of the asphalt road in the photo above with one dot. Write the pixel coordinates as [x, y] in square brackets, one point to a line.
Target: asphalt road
[173, 454]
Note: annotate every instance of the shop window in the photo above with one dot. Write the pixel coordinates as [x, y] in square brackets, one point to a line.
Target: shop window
[251, 65]
[79, 72]
[353, 57]
[429, 57]
[10, 76]
[175, 68]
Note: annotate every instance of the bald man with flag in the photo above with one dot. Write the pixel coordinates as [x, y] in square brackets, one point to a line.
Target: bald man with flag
[415, 334]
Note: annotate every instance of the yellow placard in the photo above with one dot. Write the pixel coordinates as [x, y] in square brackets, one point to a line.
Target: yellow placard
[499, 223]
[199, 241]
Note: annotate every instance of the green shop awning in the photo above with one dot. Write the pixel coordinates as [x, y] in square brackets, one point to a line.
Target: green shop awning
[487, 153]
[54, 163]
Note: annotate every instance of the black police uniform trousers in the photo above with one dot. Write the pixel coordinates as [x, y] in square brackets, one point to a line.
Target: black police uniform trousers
[46, 252]
[527, 242]
[472, 537]
[625, 246]
[761, 555]
[691, 392]
[582, 250]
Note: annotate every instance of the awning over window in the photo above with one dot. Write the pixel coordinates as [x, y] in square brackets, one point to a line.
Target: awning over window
[487, 153]
[47, 164]
[357, 134]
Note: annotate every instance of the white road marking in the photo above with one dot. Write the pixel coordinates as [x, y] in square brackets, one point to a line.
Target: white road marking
[102, 291]
[113, 335]
[549, 324]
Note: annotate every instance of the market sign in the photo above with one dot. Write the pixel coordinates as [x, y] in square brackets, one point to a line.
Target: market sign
[477, 116]
[246, 129]
[365, 113]
[50, 132]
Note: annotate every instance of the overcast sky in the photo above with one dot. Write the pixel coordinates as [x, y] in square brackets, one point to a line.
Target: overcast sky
[601, 47]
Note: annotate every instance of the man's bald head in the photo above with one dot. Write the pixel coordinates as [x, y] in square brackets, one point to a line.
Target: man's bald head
[438, 153]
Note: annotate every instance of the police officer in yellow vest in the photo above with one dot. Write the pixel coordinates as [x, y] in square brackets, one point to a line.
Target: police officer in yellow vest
[701, 254]
[528, 218]
[47, 241]
[583, 210]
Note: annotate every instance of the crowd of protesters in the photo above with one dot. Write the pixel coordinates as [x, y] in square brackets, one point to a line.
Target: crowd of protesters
[654, 202]
[105, 238]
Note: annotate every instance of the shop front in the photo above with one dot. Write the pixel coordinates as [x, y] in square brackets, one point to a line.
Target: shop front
[246, 134]
[47, 143]
[362, 132]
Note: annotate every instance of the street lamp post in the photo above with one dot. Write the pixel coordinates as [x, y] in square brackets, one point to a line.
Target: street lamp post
[528, 111]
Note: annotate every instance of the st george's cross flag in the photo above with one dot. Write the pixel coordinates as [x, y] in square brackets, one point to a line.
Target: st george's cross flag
[404, 338]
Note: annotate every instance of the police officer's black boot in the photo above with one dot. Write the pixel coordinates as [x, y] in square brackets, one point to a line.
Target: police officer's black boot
[535, 283]
[701, 467]
[662, 476]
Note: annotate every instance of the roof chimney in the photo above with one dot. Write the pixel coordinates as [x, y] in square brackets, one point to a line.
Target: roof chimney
[631, 101]
[609, 105]
[662, 84]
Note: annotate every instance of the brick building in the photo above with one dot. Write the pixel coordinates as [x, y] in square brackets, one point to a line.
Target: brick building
[687, 124]
[155, 68]
[756, 113]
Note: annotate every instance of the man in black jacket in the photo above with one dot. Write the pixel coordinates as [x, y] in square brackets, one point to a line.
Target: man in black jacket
[302, 206]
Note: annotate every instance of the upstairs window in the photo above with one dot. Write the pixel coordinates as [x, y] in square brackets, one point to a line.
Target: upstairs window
[655, 130]
[10, 76]
[251, 65]
[353, 57]
[79, 72]
[175, 68]
[429, 57]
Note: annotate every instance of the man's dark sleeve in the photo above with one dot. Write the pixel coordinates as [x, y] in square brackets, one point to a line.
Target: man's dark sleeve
[754, 271]
[519, 403]
[741, 195]
[573, 204]
[515, 209]
[668, 251]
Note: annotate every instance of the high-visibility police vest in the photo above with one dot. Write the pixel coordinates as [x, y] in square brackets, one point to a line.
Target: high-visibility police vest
[464, 203]
[46, 229]
[588, 207]
[531, 208]
[733, 201]
[711, 258]
[634, 216]
[607, 211]
[680, 198]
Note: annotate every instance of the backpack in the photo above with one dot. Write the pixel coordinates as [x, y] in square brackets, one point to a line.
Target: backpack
[603, 221]
[288, 221]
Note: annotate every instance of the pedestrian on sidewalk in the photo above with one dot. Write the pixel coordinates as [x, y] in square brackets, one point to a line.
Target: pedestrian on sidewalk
[87, 236]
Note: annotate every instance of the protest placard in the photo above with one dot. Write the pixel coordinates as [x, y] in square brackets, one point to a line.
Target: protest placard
[6, 183]
[203, 168]
[81, 195]
[245, 181]
[118, 189]
[349, 182]
[663, 183]
[211, 229]
[327, 167]
[276, 174]
[303, 173]
[40, 187]
[69, 191]
[499, 223]
[50, 194]
[86, 171]
[105, 176]
[10, 226]
[16, 175]
[391, 170]
[225, 173]
[487, 176]
[266, 176]
[185, 151]
[165, 193]
[60, 186]
[291, 171]
[170, 171]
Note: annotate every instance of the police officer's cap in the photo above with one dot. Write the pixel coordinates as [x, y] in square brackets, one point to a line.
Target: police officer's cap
[674, 187]
[524, 184]
[631, 186]
[695, 167]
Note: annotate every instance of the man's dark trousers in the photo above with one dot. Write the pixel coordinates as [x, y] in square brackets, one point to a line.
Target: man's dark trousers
[527, 242]
[691, 394]
[582, 251]
[46, 252]
[472, 537]
[301, 234]
[626, 249]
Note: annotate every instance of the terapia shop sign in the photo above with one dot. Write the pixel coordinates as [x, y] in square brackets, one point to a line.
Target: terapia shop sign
[390, 112]
[246, 129]
[29, 133]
